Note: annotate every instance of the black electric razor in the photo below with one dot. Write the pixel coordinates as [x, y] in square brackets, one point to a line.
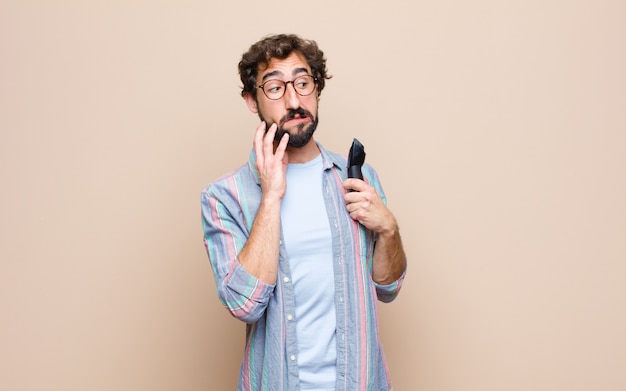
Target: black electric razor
[356, 158]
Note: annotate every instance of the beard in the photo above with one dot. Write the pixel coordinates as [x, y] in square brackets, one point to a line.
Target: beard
[302, 134]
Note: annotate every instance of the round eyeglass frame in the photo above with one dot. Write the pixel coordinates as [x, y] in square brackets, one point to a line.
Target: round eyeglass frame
[286, 83]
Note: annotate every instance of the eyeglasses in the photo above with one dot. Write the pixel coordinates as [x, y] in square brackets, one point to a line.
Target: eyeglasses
[275, 89]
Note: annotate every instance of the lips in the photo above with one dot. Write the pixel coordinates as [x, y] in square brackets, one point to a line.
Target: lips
[297, 119]
[296, 116]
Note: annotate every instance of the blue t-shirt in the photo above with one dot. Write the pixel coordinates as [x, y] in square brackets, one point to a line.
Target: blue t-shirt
[307, 239]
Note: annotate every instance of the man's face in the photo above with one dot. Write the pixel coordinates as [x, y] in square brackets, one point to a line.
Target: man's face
[293, 113]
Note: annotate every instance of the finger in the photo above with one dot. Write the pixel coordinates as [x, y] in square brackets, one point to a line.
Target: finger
[260, 131]
[258, 141]
[354, 215]
[351, 197]
[282, 146]
[354, 184]
[268, 141]
[352, 207]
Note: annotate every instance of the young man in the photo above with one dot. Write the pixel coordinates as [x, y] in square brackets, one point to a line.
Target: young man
[300, 252]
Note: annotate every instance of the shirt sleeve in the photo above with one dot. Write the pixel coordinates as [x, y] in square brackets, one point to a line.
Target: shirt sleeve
[225, 234]
[388, 292]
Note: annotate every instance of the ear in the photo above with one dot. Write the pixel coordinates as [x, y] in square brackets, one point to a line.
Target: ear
[251, 102]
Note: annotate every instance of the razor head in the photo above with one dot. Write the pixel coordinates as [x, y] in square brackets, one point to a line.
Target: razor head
[356, 158]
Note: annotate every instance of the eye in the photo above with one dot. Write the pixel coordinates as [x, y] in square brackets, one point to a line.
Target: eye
[302, 83]
[273, 86]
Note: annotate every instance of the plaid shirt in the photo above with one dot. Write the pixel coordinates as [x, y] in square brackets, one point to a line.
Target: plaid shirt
[229, 206]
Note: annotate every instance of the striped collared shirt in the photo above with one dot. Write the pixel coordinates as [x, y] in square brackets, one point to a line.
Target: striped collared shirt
[270, 361]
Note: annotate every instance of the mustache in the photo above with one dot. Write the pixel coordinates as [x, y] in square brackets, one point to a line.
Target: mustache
[299, 112]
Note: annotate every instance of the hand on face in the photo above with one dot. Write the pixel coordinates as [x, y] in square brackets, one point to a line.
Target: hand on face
[365, 206]
[271, 164]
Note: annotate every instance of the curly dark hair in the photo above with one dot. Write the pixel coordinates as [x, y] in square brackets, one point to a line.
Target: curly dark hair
[280, 46]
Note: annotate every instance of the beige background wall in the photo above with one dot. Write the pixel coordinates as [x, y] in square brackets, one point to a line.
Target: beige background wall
[499, 130]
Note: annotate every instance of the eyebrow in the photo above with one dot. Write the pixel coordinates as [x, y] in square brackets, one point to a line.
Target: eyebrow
[278, 73]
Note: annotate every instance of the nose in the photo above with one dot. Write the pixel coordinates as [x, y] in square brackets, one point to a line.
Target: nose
[292, 99]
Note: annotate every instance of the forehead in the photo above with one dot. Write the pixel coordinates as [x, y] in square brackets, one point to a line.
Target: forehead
[290, 66]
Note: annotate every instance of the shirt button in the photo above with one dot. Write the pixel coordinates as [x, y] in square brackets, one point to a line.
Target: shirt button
[289, 317]
[292, 357]
[286, 279]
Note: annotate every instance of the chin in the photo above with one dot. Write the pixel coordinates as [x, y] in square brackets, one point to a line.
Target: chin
[301, 136]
